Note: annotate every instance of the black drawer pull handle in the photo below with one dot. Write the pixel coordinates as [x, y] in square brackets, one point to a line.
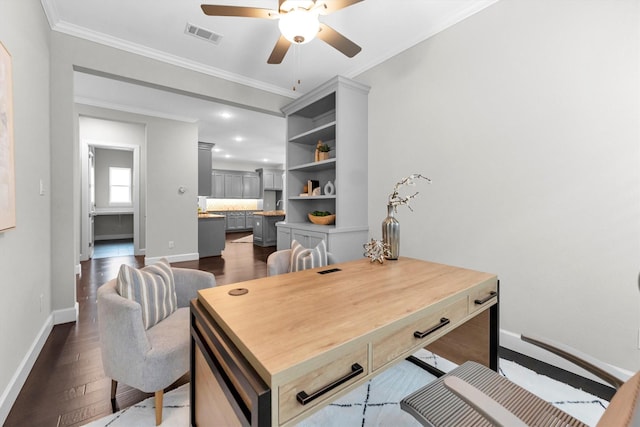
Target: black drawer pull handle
[487, 298]
[304, 398]
[443, 322]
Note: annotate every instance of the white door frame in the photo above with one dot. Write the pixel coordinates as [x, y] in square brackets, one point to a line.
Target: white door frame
[85, 225]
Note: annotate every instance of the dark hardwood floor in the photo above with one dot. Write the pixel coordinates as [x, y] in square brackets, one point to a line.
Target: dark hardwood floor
[67, 386]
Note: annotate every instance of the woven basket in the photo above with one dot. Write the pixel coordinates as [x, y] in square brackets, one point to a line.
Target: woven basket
[322, 220]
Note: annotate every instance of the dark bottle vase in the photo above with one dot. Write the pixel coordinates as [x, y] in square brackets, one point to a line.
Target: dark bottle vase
[391, 233]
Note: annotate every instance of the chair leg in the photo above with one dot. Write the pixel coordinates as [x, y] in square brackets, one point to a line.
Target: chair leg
[114, 404]
[159, 396]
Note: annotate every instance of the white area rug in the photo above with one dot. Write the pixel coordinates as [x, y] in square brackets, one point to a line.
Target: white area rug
[246, 239]
[375, 403]
[175, 412]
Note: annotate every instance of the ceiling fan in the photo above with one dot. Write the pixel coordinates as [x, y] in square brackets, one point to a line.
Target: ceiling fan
[298, 23]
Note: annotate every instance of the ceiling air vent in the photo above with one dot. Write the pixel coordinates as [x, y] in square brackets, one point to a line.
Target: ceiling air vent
[203, 34]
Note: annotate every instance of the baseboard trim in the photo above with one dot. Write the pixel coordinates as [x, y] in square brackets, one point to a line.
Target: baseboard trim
[512, 341]
[65, 315]
[10, 394]
[113, 237]
[172, 258]
[597, 389]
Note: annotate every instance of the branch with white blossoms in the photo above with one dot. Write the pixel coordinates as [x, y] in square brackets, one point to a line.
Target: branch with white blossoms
[396, 200]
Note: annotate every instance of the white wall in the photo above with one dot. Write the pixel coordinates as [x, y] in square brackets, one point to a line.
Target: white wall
[525, 116]
[172, 164]
[25, 252]
[68, 53]
[169, 160]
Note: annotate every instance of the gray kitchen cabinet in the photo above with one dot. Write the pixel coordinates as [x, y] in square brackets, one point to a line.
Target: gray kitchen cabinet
[236, 220]
[235, 185]
[271, 179]
[268, 179]
[257, 230]
[211, 236]
[270, 234]
[217, 184]
[204, 172]
[223, 213]
[265, 230]
[239, 220]
[250, 186]
[232, 186]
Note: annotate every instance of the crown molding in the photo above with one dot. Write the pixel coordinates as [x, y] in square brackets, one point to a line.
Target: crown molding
[454, 19]
[64, 27]
[51, 12]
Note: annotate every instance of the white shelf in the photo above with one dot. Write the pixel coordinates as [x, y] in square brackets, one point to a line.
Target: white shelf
[324, 132]
[341, 122]
[315, 166]
[333, 196]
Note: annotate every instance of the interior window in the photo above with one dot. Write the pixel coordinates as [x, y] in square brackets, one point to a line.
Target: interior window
[119, 186]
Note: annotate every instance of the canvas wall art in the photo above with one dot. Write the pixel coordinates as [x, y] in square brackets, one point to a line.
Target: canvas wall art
[7, 165]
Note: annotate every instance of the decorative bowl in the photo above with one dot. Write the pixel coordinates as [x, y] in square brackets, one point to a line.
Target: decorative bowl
[322, 220]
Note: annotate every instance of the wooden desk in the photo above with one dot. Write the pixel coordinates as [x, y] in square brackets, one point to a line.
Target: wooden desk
[272, 351]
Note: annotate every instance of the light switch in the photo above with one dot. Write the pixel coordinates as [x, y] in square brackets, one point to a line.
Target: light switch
[41, 188]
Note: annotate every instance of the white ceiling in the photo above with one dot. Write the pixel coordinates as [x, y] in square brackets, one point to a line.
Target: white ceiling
[156, 28]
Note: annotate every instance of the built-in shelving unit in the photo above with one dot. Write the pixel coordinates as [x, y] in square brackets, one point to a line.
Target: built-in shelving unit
[336, 114]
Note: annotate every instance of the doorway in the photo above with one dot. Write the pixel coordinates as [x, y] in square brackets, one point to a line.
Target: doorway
[110, 190]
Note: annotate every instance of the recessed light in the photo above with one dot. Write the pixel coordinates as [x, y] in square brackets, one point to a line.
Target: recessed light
[227, 156]
[226, 115]
[265, 160]
[217, 150]
[238, 139]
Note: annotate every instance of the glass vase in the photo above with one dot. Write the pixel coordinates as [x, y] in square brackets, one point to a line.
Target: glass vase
[391, 233]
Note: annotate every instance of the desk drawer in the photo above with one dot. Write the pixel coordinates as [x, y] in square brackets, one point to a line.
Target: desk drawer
[346, 368]
[431, 324]
[483, 296]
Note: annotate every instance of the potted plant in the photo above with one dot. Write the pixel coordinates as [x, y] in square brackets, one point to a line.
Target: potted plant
[322, 151]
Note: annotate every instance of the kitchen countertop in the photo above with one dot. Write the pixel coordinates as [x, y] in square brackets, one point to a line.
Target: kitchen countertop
[209, 215]
[270, 213]
[232, 210]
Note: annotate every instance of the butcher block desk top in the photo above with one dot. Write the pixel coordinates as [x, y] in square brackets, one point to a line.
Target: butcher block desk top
[291, 320]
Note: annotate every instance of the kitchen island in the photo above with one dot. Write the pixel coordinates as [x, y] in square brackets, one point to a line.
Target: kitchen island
[211, 234]
[264, 227]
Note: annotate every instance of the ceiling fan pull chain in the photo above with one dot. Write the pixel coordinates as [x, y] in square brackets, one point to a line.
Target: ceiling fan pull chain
[296, 66]
[298, 60]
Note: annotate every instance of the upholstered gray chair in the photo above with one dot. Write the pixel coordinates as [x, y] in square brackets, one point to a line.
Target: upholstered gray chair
[147, 359]
[278, 262]
[472, 394]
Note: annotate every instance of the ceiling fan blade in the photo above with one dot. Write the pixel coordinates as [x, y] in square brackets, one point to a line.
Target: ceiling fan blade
[338, 41]
[279, 51]
[246, 12]
[330, 6]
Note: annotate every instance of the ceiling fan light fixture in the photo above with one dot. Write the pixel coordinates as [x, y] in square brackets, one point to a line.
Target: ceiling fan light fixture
[299, 25]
